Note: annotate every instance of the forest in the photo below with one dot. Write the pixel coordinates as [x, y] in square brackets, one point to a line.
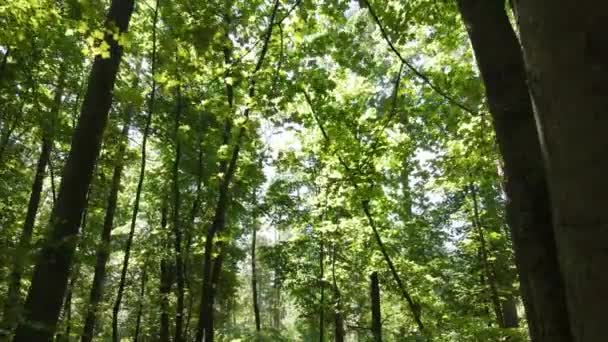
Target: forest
[303, 170]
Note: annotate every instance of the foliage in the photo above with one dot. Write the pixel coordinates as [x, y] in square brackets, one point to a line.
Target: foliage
[337, 121]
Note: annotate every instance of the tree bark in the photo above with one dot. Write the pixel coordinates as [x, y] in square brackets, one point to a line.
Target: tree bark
[140, 183]
[488, 268]
[51, 273]
[3, 63]
[177, 229]
[205, 320]
[103, 250]
[500, 61]
[509, 313]
[12, 305]
[193, 214]
[254, 284]
[375, 300]
[322, 290]
[142, 292]
[338, 318]
[228, 169]
[165, 286]
[67, 305]
[567, 62]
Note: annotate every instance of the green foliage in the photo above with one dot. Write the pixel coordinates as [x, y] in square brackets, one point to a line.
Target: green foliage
[336, 121]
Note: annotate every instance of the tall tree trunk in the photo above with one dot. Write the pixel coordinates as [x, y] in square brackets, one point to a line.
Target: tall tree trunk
[254, 284]
[51, 273]
[485, 262]
[165, 285]
[500, 61]
[206, 306]
[140, 183]
[103, 250]
[3, 63]
[276, 316]
[219, 220]
[509, 312]
[67, 305]
[193, 214]
[177, 229]
[376, 315]
[205, 320]
[140, 304]
[567, 61]
[215, 278]
[12, 304]
[322, 290]
[338, 318]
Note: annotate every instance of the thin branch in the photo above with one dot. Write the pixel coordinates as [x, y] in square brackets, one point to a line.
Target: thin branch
[413, 306]
[425, 79]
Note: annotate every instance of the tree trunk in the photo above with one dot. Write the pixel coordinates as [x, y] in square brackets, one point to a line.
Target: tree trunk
[322, 290]
[142, 292]
[193, 214]
[376, 315]
[3, 63]
[67, 305]
[415, 308]
[567, 61]
[509, 313]
[103, 250]
[12, 304]
[276, 317]
[500, 61]
[140, 183]
[205, 320]
[165, 286]
[254, 285]
[338, 318]
[215, 278]
[488, 268]
[51, 273]
[177, 229]
[219, 220]
[165, 290]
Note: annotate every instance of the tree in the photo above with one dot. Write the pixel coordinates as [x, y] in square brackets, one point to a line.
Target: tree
[500, 61]
[374, 289]
[13, 304]
[49, 281]
[562, 41]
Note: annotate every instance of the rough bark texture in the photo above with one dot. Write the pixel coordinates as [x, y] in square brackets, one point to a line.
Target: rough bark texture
[500, 61]
[375, 301]
[567, 62]
[103, 250]
[51, 273]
